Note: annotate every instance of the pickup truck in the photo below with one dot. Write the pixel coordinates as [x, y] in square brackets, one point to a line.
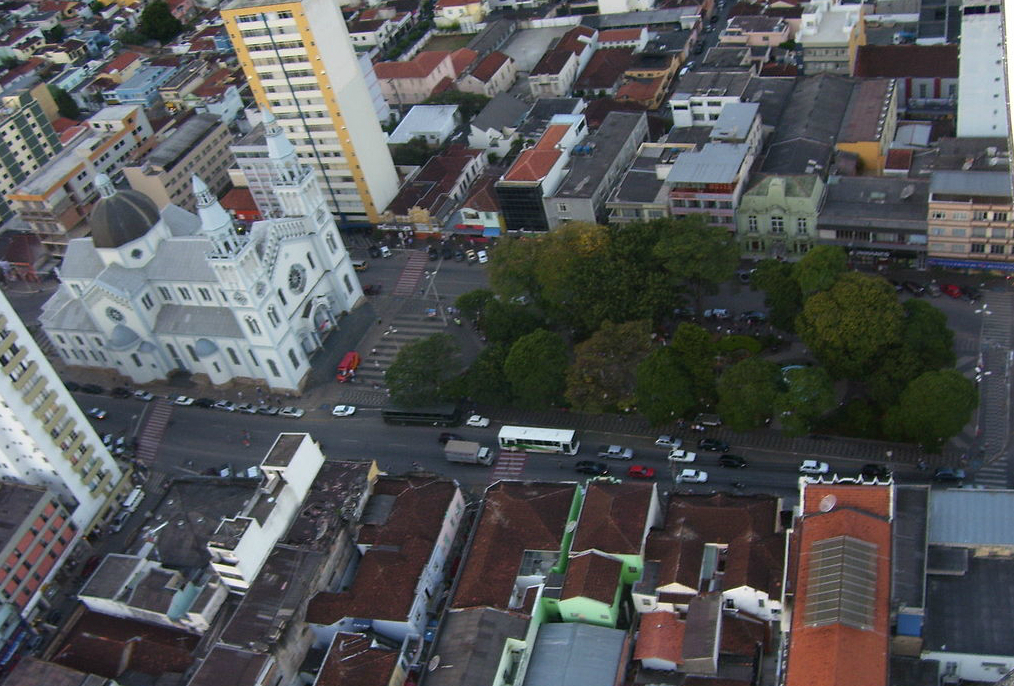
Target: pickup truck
[615, 452]
[467, 452]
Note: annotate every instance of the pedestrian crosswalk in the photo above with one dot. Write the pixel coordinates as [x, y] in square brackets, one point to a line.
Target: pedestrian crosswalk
[150, 436]
[404, 329]
[509, 465]
[413, 272]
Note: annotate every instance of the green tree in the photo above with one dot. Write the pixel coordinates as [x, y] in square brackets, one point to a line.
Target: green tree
[474, 302]
[697, 255]
[485, 381]
[820, 268]
[695, 349]
[602, 377]
[9, 62]
[469, 104]
[414, 153]
[506, 322]
[782, 296]
[933, 408]
[808, 396]
[158, 23]
[55, 34]
[747, 392]
[512, 270]
[664, 390]
[536, 369]
[925, 332]
[895, 369]
[95, 6]
[65, 105]
[423, 370]
[850, 326]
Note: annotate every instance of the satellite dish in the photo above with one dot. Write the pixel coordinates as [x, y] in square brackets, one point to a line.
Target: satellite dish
[433, 663]
[828, 502]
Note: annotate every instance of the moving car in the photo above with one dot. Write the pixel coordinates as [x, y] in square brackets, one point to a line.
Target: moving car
[385, 252]
[875, 471]
[343, 411]
[946, 475]
[814, 467]
[692, 476]
[641, 472]
[591, 467]
[97, 413]
[294, 412]
[144, 396]
[615, 452]
[374, 251]
[477, 421]
[183, 401]
[680, 455]
[712, 444]
[667, 441]
[730, 461]
[360, 265]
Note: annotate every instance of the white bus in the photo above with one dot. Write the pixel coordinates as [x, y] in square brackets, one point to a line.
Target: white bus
[536, 440]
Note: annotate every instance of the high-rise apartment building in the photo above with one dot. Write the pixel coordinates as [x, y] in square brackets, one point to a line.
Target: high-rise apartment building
[45, 438]
[982, 87]
[300, 63]
[27, 138]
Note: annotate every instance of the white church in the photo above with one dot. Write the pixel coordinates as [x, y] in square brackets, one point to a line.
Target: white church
[153, 293]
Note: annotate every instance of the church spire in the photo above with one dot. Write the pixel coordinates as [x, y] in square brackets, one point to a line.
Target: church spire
[216, 223]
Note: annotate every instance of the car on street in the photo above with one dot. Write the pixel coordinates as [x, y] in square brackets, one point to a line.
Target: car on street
[448, 436]
[744, 275]
[814, 467]
[638, 471]
[667, 441]
[374, 251]
[717, 313]
[107, 440]
[951, 289]
[360, 265]
[93, 389]
[183, 401]
[119, 520]
[343, 411]
[754, 317]
[916, 289]
[933, 290]
[483, 256]
[712, 444]
[680, 455]
[120, 392]
[144, 396]
[591, 467]
[72, 386]
[97, 413]
[971, 293]
[898, 288]
[471, 256]
[692, 476]
[433, 254]
[247, 408]
[947, 475]
[90, 565]
[268, 410]
[294, 412]
[226, 405]
[205, 402]
[615, 452]
[477, 421]
[730, 461]
[447, 252]
[385, 252]
[459, 255]
[875, 471]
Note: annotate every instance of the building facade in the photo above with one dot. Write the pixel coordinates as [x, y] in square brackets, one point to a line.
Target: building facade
[777, 216]
[157, 292]
[27, 139]
[970, 220]
[830, 34]
[298, 59]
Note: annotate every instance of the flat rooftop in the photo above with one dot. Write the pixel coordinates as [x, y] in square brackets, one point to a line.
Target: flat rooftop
[284, 449]
[971, 612]
[17, 501]
[640, 184]
[713, 163]
[51, 175]
[588, 170]
[191, 133]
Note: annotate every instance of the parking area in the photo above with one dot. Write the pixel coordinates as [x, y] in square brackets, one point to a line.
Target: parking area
[527, 45]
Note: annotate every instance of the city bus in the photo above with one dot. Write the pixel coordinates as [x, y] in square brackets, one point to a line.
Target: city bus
[533, 439]
[437, 415]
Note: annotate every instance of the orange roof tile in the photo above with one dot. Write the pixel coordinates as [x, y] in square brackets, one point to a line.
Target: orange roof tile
[534, 163]
[614, 518]
[592, 575]
[876, 501]
[660, 636]
[420, 66]
[615, 35]
[462, 59]
[352, 659]
[489, 66]
[120, 62]
[640, 90]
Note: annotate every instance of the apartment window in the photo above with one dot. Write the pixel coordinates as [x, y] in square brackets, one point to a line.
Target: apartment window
[205, 294]
[147, 301]
[273, 367]
[938, 215]
[801, 227]
[999, 216]
[165, 294]
[996, 250]
[938, 231]
[978, 247]
[958, 233]
[777, 224]
[254, 327]
[980, 215]
[978, 232]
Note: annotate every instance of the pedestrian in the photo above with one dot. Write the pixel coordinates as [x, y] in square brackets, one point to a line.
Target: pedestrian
[376, 363]
[373, 352]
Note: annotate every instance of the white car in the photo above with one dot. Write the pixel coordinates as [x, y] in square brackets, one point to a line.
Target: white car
[667, 441]
[144, 395]
[247, 408]
[226, 405]
[680, 455]
[184, 400]
[294, 412]
[692, 476]
[385, 251]
[477, 421]
[814, 467]
[483, 256]
[343, 411]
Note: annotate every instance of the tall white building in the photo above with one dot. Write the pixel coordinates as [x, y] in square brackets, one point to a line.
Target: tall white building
[152, 292]
[45, 438]
[300, 63]
[982, 86]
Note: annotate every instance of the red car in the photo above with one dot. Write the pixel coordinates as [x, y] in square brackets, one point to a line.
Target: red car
[951, 289]
[640, 472]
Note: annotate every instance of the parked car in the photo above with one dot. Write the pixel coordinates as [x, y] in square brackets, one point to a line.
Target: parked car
[360, 265]
[477, 421]
[875, 471]
[289, 411]
[268, 410]
[898, 288]
[638, 471]
[692, 476]
[814, 467]
[667, 441]
[916, 289]
[713, 444]
[946, 475]
[119, 520]
[447, 252]
[680, 455]
[120, 392]
[93, 389]
[951, 289]
[72, 386]
[971, 293]
[448, 436]
[754, 317]
[97, 413]
[247, 408]
[225, 405]
[385, 252]
[730, 461]
[205, 402]
[591, 467]
[933, 290]
[471, 256]
[144, 396]
[433, 254]
[717, 313]
[459, 255]
[683, 312]
[343, 411]
[183, 401]
[483, 256]
[744, 275]
[615, 452]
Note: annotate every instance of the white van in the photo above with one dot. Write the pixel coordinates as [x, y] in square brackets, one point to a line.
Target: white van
[134, 499]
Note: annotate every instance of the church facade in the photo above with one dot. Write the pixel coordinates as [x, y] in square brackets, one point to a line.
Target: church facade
[153, 293]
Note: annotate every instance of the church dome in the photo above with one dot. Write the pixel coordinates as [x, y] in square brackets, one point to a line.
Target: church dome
[120, 216]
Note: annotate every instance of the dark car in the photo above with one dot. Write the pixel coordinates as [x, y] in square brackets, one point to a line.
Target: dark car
[72, 386]
[875, 471]
[699, 48]
[374, 251]
[946, 475]
[754, 317]
[459, 255]
[92, 388]
[372, 289]
[730, 461]
[591, 467]
[90, 566]
[897, 285]
[433, 254]
[120, 392]
[205, 402]
[971, 293]
[447, 252]
[712, 444]
[447, 436]
[715, 19]
[914, 288]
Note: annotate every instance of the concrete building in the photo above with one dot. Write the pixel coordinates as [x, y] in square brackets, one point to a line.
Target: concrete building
[140, 89]
[432, 123]
[48, 440]
[555, 73]
[412, 81]
[428, 199]
[755, 30]
[970, 220]
[493, 74]
[462, 14]
[777, 216]
[642, 193]
[494, 129]
[297, 56]
[830, 35]
[870, 122]
[925, 76]
[200, 145]
[983, 107]
[55, 200]
[27, 138]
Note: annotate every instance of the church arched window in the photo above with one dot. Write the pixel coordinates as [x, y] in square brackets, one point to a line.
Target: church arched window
[273, 316]
[329, 239]
[281, 296]
[254, 327]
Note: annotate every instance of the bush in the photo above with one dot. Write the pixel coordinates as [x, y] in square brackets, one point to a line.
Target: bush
[728, 344]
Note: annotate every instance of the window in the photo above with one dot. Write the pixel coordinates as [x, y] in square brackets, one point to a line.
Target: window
[751, 223]
[958, 233]
[281, 296]
[273, 367]
[777, 224]
[978, 232]
[309, 258]
[147, 301]
[273, 316]
[232, 356]
[136, 359]
[293, 359]
[329, 239]
[192, 353]
[980, 215]
[165, 294]
[938, 215]
[999, 216]
[801, 228]
[254, 327]
[253, 358]
[938, 231]
[998, 233]
[184, 293]
[348, 283]
[205, 294]
[996, 249]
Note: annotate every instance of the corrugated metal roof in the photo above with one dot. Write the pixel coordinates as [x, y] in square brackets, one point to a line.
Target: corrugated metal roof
[576, 655]
[960, 516]
[979, 183]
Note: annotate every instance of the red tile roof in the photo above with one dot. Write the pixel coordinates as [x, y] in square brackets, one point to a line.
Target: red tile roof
[120, 62]
[61, 124]
[454, 3]
[429, 188]
[838, 654]
[30, 65]
[534, 163]
[516, 516]
[660, 636]
[353, 660]
[640, 90]
[592, 575]
[899, 158]
[605, 68]
[615, 35]
[741, 633]
[239, 200]
[908, 61]
[462, 59]
[420, 66]
[614, 518]
[483, 195]
[489, 66]
[571, 43]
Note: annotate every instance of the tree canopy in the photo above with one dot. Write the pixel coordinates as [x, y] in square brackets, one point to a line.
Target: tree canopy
[422, 372]
[747, 392]
[469, 104]
[696, 351]
[485, 382]
[808, 395]
[158, 23]
[820, 268]
[536, 369]
[602, 377]
[697, 255]
[782, 296]
[664, 390]
[933, 408]
[65, 104]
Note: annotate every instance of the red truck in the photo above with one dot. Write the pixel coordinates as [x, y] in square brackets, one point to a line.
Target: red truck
[348, 366]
